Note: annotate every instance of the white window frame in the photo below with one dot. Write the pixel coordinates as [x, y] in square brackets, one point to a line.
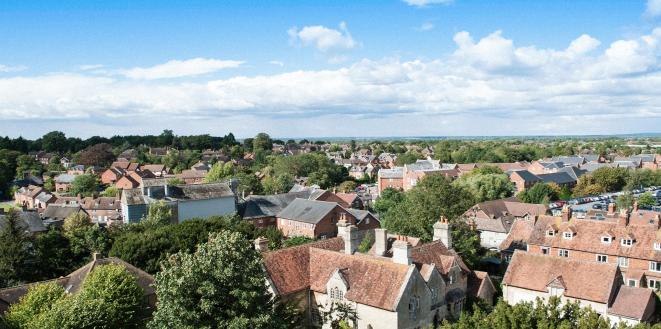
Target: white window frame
[567, 235]
[657, 245]
[630, 281]
[563, 253]
[655, 266]
[654, 284]
[550, 233]
[602, 258]
[606, 239]
[623, 261]
[626, 242]
[546, 250]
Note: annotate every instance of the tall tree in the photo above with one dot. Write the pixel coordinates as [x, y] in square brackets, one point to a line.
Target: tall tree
[97, 155]
[85, 185]
[54, 141]
[221, 285]
[15, 249]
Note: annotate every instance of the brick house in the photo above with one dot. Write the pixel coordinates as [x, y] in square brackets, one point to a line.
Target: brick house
[133, 179]
[396, 284]
[494, 219]
[596, 285]
[630, 240]
[111, 175]
[63, 182]
[391, 178]
[101, 210]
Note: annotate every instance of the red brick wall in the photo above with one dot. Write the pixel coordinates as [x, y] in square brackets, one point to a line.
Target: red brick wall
[327, 226]
[108, 177]
[396, 183]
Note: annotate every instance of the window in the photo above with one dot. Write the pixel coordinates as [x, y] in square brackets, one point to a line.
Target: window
[655, 266]
[606, 239]
[568, 235]
[367, 221]
[414, 303]
[434, 296]
[657, 245]
[602, 259]
[546, 250]
[654, 284]
[550, 233]
[623, 261]
[451, 278]
[632, 283]
[563, 253]
[336, 293]
[626, 242]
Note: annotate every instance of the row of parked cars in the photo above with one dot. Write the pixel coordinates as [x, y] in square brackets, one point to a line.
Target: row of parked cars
[604, 200]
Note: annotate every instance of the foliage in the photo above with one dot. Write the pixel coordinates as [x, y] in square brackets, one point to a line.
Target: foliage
[339, 315]
[28, 164]
[109, 298]
[296, 241]
[76, 221]
[220, 171]
[367, 242]
[407, 158]
[53, 256]
[7, 170]
[49, 184]
[320, 170]
[587, 185]
[39, 299]
[646, 200]
[485, 187]
[643, 178]
[97, 155]
[147, 246]
[221, 285]
[540, 193]
[347, 187]
[54, 141]
[110, 191]
[14, 253]
[624, 200]
[159, 213]
[388, 199]
[277, 184]
[262, 142]
[540, 315]
[85, 185]
[611, 179]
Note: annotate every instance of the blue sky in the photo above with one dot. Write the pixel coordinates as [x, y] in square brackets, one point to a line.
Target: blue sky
[330, 68]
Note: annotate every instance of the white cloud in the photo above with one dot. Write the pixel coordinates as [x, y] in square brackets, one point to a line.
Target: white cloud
[177, 68]
[7, 69]
[425, 3]
[653, 8]
[277, 63]
[89, 67]
[322, 38]
[426, 26]
[488, 85]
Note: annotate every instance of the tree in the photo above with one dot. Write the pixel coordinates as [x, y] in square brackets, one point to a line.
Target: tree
[347, 186]
[39, 299]
[540, 193]
[55, 164]
[407, 158]
[54, 141]
[159, 214]
[423, 206]
[221, 285]
[110, 191]
[388, 199]
[97, 155]
[220, 171]
[296, 241]
[49, 184]
[367, 242]
[8, 170]
[624, 200]
[611, 179]
[85, 185]
[76, 221]
[26, 164]
[53, 256]
[278, 184]
[339, 315]
[110, 297]
[15, 250]
[646, 200]
[485, 187]
[586, 186]
[262, 142]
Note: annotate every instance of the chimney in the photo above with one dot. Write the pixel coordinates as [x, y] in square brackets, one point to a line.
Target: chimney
[261, 244]
[349, 234]
[401, 251]
[566, 213]
[623, 219]
[611, 209]
[380, 241]
[442, 232]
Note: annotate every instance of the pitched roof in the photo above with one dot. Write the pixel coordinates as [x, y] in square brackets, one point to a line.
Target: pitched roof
[499, 215]
[479, 283]
[201, 191]
[526, 175]
[74, 281]
[60, 211]
[308, 211]
[348, 198]
[559, 177]
[437, 253]
[30, 221]
[64, 178]
[256, 206]
[536, 272]
[632, 302]
[518, 236]
[133, 197]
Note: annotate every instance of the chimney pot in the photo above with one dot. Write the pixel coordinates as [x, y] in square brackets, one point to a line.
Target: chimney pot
[401, 252]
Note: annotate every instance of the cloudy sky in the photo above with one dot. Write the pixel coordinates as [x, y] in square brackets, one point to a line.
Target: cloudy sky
[330, 68]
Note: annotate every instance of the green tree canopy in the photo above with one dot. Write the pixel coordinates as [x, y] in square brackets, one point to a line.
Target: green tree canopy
[85, 185]
[540, 193]
[485, 187]
[159, 213]
[14, 249]
[39, 299]
[646, 200]
[221, 285]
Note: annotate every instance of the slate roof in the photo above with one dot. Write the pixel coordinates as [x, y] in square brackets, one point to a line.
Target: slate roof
[307, 211]
[65, 178]
[201, 191]
[396, 172]
[560, 177]
[60, 211]
[256, 206]
[132, 197]
[30, 221]
[536, 271]
[526, 175]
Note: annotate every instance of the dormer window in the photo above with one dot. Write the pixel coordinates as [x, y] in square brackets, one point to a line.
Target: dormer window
[567, 235]
[550, 233]
[657, 245]
[606, 239]
[626, 242]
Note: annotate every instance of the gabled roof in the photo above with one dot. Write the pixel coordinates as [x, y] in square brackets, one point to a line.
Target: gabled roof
[256, 206]
[559, 177]
[60, 211]
[535, 272]
[201, 191]
[308, 211]
[518, 236]
[30, 221]
[526, 175]
[499, 215]
[632, 302]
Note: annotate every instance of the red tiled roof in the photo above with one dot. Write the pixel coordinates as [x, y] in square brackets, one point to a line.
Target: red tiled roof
[632, 302]
[536, 271]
